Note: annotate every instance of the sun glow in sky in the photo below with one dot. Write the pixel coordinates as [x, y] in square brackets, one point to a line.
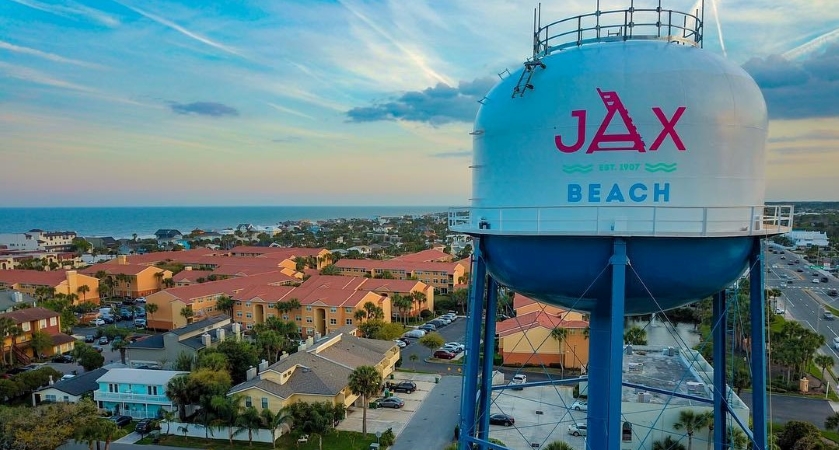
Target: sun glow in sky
[309, 102]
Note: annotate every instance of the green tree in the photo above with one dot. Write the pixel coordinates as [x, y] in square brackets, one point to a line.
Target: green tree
[460, 297]
[559, 445]
[832, 422]
[560, 334]
[213, 361]
[690, 421]
[40, 342]
[403, 304]
[226, 303]
[795, 431]
[226, 410]
[240, 355]
[365, 381]
[6, 325]
[187, 313]
[330, 270]
[83, 290]
[432, 340]
[151, 308]
[636, 336]
[180, 392]
[668, 443]
[249, 420]
[271, 342]
[823, 361]
[87, 357]
[273, 421]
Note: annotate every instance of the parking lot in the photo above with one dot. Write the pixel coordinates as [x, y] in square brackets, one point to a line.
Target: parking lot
[542, 416]
[381, 419]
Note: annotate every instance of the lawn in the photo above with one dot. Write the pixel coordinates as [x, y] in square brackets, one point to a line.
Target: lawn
[335, 440]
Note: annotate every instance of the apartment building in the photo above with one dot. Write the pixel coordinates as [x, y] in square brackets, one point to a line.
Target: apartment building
[62, 281]
[443, 276]
[38, 240]
[130, 280]
[32, 320]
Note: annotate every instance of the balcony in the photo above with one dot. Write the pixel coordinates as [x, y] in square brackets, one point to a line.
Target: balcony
[133, 398]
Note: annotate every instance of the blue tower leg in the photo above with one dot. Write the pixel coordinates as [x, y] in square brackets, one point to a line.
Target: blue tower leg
[606, 362]
[488, 352]
[757, 308]
[471, 365]
[720, 328]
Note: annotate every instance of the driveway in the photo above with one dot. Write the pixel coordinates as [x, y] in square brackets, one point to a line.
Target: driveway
[432, 426]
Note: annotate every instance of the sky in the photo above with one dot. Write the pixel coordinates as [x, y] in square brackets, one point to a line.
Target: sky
[316, 102]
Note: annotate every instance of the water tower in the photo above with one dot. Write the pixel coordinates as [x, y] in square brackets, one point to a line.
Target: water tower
[620, 171]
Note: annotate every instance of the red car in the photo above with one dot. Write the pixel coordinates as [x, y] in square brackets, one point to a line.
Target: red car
[444, 354]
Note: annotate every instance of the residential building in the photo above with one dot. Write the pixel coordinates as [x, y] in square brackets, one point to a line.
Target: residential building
[165, 236]
[526, 339]
[200, 299]
[70, 390]
[443, 276]
[318, 374]
[161, 350]
[430, 255]
[139, 393]
[131, 280]
[9, 300]
[61, 281]
[39, 240]
[30, 321]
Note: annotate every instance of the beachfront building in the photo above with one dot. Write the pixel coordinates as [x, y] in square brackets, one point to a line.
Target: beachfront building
[33, 282]
[139, 393]
[130, 280]
[317, 374]
[162, 350]
[38, 240]
[329, 302]
[443, 276]
[36, 320]
[179, 306]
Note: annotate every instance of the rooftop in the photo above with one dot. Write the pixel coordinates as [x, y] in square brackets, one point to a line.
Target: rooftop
[79, 384]
[29, 314]
[139, 376]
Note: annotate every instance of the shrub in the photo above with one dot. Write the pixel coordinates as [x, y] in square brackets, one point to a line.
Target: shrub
[388, 438]
[426, 314]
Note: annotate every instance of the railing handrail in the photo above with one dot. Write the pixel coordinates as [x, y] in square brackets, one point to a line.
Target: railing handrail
[670, 25]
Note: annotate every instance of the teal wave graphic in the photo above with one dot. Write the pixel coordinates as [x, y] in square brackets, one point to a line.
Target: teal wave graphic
[660, 167]
[577, 168]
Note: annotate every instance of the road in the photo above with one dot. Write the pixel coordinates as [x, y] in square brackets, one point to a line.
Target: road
[803, 300]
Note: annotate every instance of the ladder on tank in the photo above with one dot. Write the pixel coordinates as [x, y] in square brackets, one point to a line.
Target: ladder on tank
[632, 138]
[529, 69]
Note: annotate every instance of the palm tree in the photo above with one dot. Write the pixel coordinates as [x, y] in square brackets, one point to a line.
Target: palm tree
[365, 381]
[360, 315]
[636, 336]
[226, 411]
[403, 304]
[708, 417]
[187, 313]
[691, 421]
[151, 308]
[249, 420]
[273, 421]
[6, 325]
[560, 334]
[179, 390]
[14, 333]
[226, 304]
[668, 444]
[559, 445]
[168, 416]
[823, 361]
[83, 289]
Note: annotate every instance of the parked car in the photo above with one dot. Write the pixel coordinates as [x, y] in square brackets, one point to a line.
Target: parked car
[453, 347]
[63, 359]
[800, 270]
[407, 387]
[121, 421]
[108, 319]
[428, 327]
[97, 322]
[780, 310]
[414, 334]
[98, 348]
[390, 402]
[400, 343]
[824, 279]
[103, 340]
[444, 354]
[502, 419]
[140, 299]
[140, 323]
[89, 338]
[836, 342]
[577, 429]
[580, 405]
[829, 315]
[816, 280]
[145, 426]
[437, 323]
[518, 380]
[833, 292]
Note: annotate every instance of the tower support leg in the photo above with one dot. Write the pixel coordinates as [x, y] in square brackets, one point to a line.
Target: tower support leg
[606, 364]
[757, 307]
[471, 366]
[720, 328]
[488, 346]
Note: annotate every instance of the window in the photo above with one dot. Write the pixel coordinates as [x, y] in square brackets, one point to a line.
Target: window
[66, 399]
[25, 326]
[297, 318]
[249, 326]
[348, 310]
[264, 402]
[333, 321]
[50, 398]
[239, 314]
[349, 321]
[247, 303]
[285, 316]
[249, 315]
[53, 321]
[332, 310]
[308, 320]
[627, 432]
[248, 402]
[113, 387]
[308, 308]
[310, 331]
[151, 390]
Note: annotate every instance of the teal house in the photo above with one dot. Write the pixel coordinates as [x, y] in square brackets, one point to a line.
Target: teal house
[139, 393]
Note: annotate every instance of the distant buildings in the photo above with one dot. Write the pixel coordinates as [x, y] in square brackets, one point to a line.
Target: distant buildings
[38, 240]
[809, 238]
[84, 287]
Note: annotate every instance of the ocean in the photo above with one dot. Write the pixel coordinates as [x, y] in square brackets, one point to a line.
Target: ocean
[123, 222]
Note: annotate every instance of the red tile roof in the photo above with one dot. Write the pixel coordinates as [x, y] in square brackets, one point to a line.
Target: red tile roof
[30, 314]
[533, 320]
[229, 286]
[425, 256]
[369, 264]
[277, 252]
[61, 338]
[190, 275]
[51, 278]
[114, 269]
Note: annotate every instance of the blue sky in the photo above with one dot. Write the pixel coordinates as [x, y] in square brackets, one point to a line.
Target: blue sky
[331, 102]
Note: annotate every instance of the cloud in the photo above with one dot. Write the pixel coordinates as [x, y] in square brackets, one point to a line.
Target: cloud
[799, 90]
[204, 109]
[290, 111]
[814, 135]
[457, 154]
[73, 11]
[435, 105]
[184, 31]
[287, 139]
[48, 56]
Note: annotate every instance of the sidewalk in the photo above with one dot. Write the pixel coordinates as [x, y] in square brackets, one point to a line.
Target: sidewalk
[129, 438]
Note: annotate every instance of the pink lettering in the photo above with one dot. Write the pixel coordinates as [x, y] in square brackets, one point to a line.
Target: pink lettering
[630, 140]
[668, 128]
[580, 114]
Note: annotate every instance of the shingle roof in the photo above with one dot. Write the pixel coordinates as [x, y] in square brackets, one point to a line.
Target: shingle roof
[534, 320]
[79, 384]
[153, 341]
[209, 322]
[51, 278]
[139, 376]
[61, 338]
[29, 314]
[7, 299]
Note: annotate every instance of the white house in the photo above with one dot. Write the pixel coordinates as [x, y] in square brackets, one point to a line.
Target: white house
[70, 390]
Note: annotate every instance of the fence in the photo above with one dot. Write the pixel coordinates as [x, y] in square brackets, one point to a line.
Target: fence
[222, 432]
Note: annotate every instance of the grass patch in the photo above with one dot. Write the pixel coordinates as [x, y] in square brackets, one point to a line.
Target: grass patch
[335, 440]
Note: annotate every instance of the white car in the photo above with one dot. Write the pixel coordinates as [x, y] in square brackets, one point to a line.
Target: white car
[816, 280]
[97, 322]
[414, 334]
[836, 343]
[400, 344]
[780, 310]
[454, 347]
[580, 405]
[140, 300]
